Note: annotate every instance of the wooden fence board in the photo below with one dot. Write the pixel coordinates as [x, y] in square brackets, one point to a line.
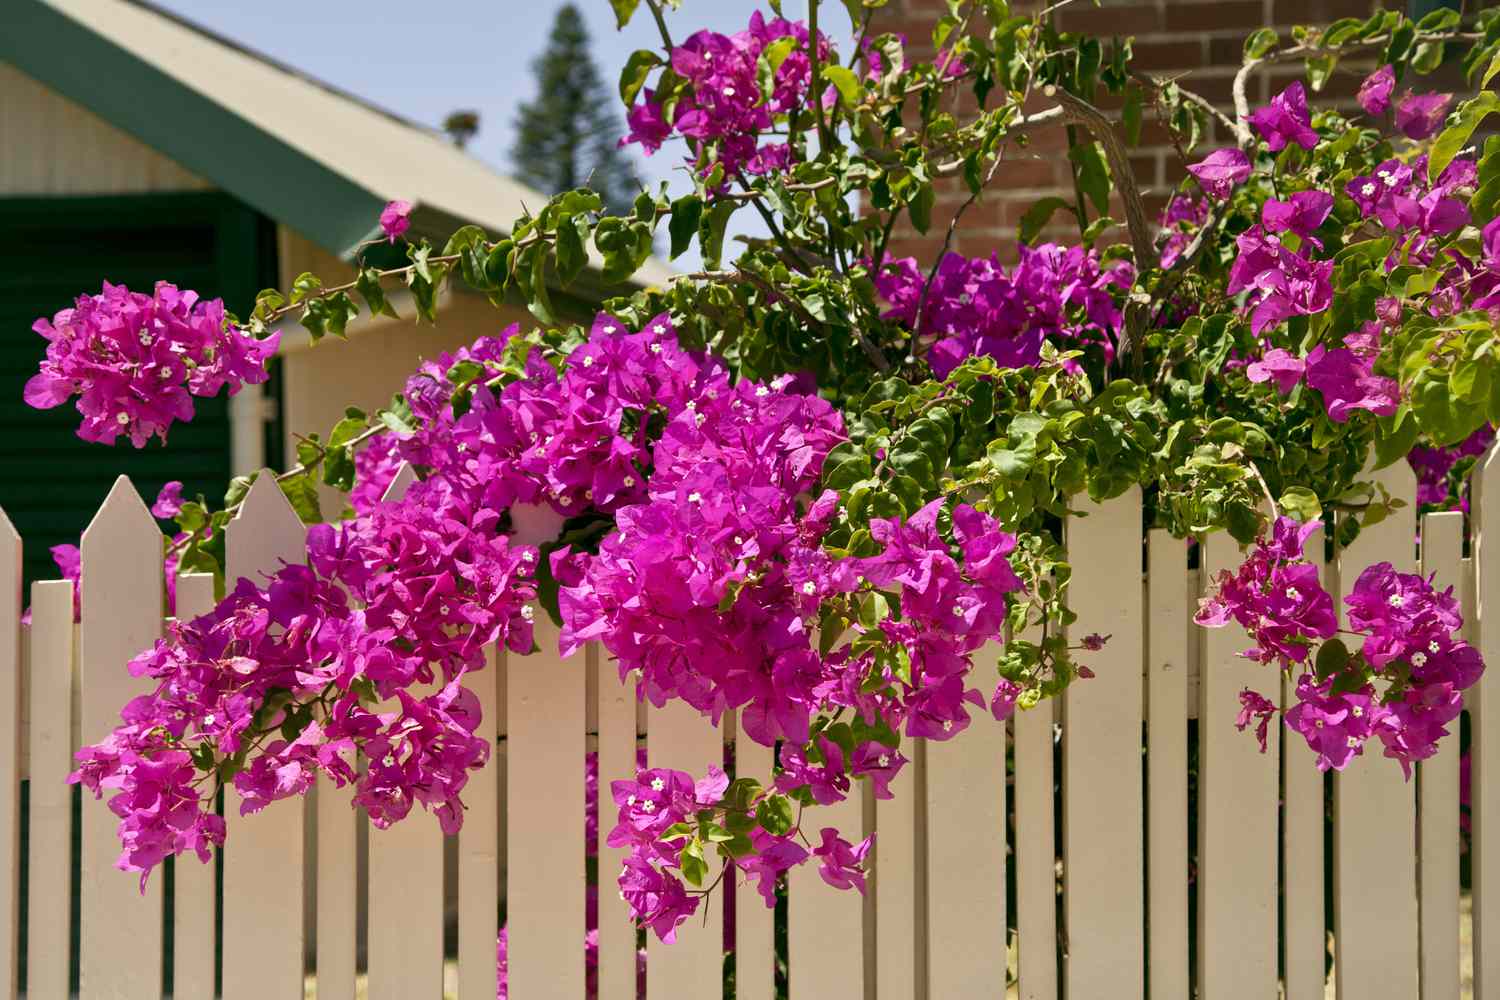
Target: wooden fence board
[122, 597]
[1167, 664]
[682, 739]
[1305, 938]
[338, 889]
[1375, 817]
[754, 929]
[50, 893]
[617, 762]
[479, 850]
[544, 814]
[263, 932]
[900, 945]
[1102, 762]
[1437, 803]
[1036, 855]
[1484, 712]
[1237, 823]
[193, 907]
[825, 943]
[406, 909]
[11, 751]
[966, 855]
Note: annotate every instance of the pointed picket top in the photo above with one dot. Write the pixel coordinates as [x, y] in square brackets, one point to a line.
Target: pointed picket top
[265, 533]
[404, 477]
[8, 532]
[123, 514]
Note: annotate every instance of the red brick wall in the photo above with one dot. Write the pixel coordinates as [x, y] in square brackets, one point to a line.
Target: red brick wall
[1197, 41]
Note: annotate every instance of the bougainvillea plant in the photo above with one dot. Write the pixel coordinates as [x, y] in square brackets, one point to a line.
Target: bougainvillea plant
[820, 485]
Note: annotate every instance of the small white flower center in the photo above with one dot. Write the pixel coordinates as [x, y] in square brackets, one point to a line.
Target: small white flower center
[809, 587]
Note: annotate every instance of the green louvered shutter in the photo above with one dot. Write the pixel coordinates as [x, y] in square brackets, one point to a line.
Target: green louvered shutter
[51, 250]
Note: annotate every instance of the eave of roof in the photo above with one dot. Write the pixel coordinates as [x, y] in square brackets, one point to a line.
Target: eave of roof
[301, 152]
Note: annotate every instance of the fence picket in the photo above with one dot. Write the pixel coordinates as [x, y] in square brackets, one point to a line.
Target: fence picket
[1437, 804]
[337, 889]
[11, 693]
[617, 762]
[825, 939]
[1102, 763]
[1305, 938]
[193, 908]
[544, 814]
[1484, 713]
[121, 927]
[406, 909]
[754, 929]
[1374, 811]
[50, 893]
[966, 899]
[263, 931]
[1169, 601]
[1238, 790]
[405, 904]
[900, 948]
[680, 738]
[1036, 855]
[479, 850]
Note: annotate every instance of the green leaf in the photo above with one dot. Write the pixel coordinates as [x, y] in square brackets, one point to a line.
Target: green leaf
[1093, 174]
[633, 76]
[302, 493]
[624, 10]
[1302, 503]
[1037, 217]
[694, 868]
[465, 237]
[571, 255]
[305, 284]
[774, 814]
[1130, 116]
[1260, 42]
[711, 233]
[1332, 657]
[920, 207]
[1456, 136]
[687, 214]
[369, 288]
[845, 82]
[1489, 73]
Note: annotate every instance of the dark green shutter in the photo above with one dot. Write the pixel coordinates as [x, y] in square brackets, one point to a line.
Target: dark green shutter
[54, 249]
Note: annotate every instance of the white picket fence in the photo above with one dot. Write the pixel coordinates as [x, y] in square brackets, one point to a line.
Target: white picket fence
[933, 926]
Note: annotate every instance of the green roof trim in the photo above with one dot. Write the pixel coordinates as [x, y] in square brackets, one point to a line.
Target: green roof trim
[205, 137]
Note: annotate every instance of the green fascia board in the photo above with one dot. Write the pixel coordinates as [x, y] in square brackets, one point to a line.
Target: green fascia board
[207, 138]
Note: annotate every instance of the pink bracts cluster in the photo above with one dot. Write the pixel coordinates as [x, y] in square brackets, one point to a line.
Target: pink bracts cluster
[135, 361]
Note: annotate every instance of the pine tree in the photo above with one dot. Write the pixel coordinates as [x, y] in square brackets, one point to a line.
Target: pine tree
[568, 136]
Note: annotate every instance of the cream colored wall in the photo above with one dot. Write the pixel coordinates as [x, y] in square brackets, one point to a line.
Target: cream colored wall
[51, 146]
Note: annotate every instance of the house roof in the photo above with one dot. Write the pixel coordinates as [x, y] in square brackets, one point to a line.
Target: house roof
[318, 159]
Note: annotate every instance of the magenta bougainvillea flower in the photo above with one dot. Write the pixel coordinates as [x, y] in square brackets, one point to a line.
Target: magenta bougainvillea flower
[135, 361]
[1286, 120]
[1221, 172]
[395, 220]
[1419, 116]
[1375, 92]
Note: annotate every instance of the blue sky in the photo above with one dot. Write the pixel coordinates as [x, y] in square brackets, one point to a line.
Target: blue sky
[423, 60]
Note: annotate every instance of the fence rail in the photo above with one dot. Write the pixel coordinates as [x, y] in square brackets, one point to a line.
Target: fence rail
[1054, 850]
